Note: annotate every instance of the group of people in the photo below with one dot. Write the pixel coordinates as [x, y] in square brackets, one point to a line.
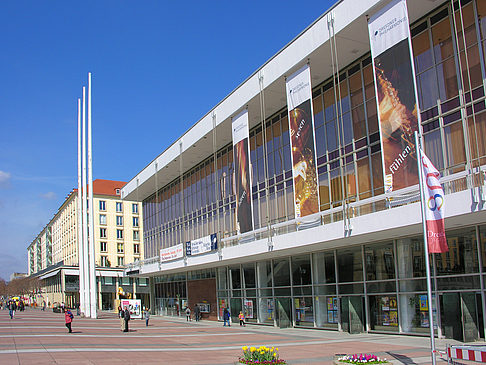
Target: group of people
[197, 313]
[125, 316]
[12, 306]
[227, 318]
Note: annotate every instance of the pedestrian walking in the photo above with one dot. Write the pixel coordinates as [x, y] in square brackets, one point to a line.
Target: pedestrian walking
[44, 305]
[147, 316]
[226, 317]
[120, 310]
[68, 317]
[122, 319]
[63, 307]
[197, 313]
[12, 308]
[126, 317]
[241, 317]
[188, 314]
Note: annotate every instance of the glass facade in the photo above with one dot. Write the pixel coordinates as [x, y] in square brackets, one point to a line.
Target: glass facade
[366, 288]
[375, 286]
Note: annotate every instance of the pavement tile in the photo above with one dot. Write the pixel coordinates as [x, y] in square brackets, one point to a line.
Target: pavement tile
[37, 337]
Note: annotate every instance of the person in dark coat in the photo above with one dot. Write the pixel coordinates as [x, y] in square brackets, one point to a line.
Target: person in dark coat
[226, 316]
[126, 317]
[68, 317]
[197, 313]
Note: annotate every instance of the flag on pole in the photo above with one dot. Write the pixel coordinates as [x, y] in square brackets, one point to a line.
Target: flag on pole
[434, 206]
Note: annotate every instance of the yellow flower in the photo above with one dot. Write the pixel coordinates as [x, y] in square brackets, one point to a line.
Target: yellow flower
[274, 354]
[252, 349]
[245, 348]
[276, 349]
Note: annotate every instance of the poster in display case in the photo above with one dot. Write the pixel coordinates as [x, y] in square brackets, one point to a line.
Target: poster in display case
[332, 306]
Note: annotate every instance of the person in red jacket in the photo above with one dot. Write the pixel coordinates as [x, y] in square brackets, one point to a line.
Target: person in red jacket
[68, 316]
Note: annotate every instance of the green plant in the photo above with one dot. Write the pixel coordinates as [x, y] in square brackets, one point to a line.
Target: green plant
[261, 355]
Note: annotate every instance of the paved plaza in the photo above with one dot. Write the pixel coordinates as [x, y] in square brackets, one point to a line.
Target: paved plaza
[37, 337]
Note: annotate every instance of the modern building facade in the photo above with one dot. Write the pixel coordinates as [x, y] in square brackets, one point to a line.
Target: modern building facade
[358, 265]
[118, 228]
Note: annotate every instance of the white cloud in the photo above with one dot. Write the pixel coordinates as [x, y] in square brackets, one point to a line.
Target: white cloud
[5, 179]
[49, 195]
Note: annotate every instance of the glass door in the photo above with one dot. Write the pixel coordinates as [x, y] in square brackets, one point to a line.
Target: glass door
[352, 314]
[235, 308]
[450, 315]
[470, 318]
[284, 312]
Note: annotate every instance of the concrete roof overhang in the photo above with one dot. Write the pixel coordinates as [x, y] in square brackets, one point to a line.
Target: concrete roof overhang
[312, 45]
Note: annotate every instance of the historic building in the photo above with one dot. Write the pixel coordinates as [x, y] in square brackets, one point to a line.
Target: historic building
[118, 228]
[357, 262]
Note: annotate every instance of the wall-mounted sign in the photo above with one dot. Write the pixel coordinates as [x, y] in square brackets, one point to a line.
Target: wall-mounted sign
[202, 245]
[204, 307]
[172, 253]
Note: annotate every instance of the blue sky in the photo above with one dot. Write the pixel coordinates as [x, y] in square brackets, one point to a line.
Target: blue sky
[158, 66]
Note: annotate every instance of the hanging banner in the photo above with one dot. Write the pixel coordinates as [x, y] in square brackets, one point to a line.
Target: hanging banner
[434, 206]
[202, 245]
[172, 253]
[396, 94]
[301, 125]
[241, 150]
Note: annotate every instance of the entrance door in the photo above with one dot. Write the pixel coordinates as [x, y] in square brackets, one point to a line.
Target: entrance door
[284, 312]
[352, 314]
[235, 308]
[450, 315]
[470, 317]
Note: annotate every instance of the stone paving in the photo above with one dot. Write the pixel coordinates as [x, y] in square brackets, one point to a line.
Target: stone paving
[37, 337]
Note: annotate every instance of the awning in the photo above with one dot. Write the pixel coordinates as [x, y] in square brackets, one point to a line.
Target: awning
[48, 275]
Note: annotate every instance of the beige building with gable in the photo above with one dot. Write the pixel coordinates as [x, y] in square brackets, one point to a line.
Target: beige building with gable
[118, 228]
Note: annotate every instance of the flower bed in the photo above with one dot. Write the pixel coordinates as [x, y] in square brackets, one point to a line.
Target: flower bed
[261, 355]
[361, 359]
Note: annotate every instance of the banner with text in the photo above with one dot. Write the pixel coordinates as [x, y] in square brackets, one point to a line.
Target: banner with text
[172, 253]
[241, 151]
[301, 125]
[434, 206]
[395, 88]
[202, 245]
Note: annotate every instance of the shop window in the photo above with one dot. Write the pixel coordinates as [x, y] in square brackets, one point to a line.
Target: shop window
[379, 262]
[301, 270]
[350, 265]
[264, 270]
[249, 275]
[384, 313]
[304, 311]
[462, 257]
[414, 313]
[412, 258]
[235, 277]
[281, 272]
[324, 270]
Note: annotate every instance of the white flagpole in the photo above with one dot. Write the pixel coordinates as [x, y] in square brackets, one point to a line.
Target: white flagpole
[426, 249]
[92, 258]
[85, 217]
[79, 213]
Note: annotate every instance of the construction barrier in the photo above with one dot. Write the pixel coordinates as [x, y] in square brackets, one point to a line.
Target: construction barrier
[470, 352]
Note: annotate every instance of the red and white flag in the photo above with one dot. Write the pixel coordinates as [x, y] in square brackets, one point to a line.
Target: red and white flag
[434, 206]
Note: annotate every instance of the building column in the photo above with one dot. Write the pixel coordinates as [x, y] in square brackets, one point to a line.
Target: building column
[152, 295]
[63, 287]
[100, 303]
[134, 288]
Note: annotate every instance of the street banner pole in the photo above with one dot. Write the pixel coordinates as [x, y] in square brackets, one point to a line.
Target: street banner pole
[92, 263]
[426, 248]
[79, 213]
[85, 217]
